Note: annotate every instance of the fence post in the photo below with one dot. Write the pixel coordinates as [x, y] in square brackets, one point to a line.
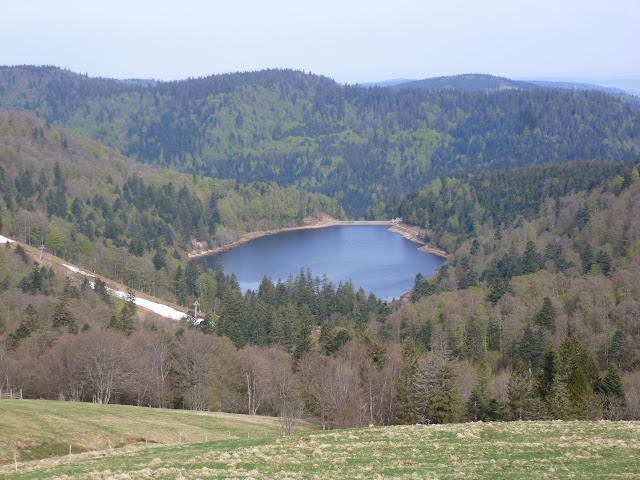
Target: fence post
[15, 459]
[180, 438]
[206, 436]
[69, 451]
[110, 449]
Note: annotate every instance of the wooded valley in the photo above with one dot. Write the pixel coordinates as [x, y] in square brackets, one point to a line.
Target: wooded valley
[534, 194]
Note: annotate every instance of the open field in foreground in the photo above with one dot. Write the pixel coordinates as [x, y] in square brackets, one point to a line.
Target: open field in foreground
[36, 429]
[493, 450]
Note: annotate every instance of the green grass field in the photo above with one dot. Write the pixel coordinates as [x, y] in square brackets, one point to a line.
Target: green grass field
[492, 450]
[36, 429]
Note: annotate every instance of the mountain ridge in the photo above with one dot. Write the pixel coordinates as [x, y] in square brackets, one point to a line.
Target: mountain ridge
[355, 144]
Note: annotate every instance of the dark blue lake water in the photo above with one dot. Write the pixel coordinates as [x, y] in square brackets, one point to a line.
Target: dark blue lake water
[380, 261]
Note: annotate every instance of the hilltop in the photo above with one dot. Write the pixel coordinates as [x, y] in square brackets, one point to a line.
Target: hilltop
[361, 146]
[473, 82]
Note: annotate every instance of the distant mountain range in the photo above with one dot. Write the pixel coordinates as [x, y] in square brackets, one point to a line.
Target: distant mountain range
[475, 82]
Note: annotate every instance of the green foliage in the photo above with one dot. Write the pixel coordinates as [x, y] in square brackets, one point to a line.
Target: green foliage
[125, 321]
[62, 318]
[547, 373]
[580, 373]
[612, 384]
[233, 317]
[405, 397]
[546, 316]
[21, 253]
[301, 129]
[618, 350]
[520, 405]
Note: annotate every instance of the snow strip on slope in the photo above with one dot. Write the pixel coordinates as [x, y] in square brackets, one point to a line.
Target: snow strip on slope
[5, 239]
[77, 270]
[159, 308]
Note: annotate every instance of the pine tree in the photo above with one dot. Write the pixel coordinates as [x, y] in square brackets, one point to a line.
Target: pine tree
[532, 261]
[474, 409]
[495, 410]
[61, 316]
[405, 398]
[604, 260]
[581, 376]
[558, 403]
[233, 317]
[436, 390]
[547, 373]
[531, 346]
[546, 317]
[612, 396]
[519, 394]
[612, 384]
[618, 348]
[303, 345]
[498, 288]
[444, 405]
[125, 320]
[587, 258]
[207, 324]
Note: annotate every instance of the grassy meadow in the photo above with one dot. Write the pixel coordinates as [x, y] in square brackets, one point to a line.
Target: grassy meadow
[491, 450]
[36, 429]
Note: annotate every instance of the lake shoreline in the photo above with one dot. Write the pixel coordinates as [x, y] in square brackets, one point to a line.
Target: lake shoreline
[409, 232]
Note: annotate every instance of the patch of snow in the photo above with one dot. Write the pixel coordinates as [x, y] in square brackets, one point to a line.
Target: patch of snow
[77, 270]
[5, 240]
[159, 308]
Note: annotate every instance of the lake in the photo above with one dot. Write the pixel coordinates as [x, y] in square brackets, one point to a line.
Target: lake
[371, 257]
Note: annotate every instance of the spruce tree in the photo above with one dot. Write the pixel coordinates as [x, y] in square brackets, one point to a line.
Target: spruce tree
[618, 348]
[558, 403]
[612, 384]
[405, 398]
[531, 346]
[546, 317]
[474, 409]
[519, 394]
[580, 373]
[303, 345]
[233, 317]
[547, 373]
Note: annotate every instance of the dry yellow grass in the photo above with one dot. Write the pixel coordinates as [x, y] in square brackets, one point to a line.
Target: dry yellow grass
[535, 450]
[40, 428]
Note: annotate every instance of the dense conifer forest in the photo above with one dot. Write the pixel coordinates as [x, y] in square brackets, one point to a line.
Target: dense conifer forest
[534, 194]
[354, 144]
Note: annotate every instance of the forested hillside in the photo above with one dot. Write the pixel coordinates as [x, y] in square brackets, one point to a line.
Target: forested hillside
[354, 144]
[534, 316]
[469, 83]
[125, 221]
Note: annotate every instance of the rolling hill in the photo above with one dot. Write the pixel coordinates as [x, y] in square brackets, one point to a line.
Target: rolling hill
[354, 144]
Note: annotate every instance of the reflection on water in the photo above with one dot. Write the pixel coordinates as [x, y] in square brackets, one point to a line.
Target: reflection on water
[381, 262]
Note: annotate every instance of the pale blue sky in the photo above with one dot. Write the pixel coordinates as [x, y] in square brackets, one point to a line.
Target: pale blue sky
[355, 41]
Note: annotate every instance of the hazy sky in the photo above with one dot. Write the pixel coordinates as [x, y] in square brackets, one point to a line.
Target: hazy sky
[350, 41]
